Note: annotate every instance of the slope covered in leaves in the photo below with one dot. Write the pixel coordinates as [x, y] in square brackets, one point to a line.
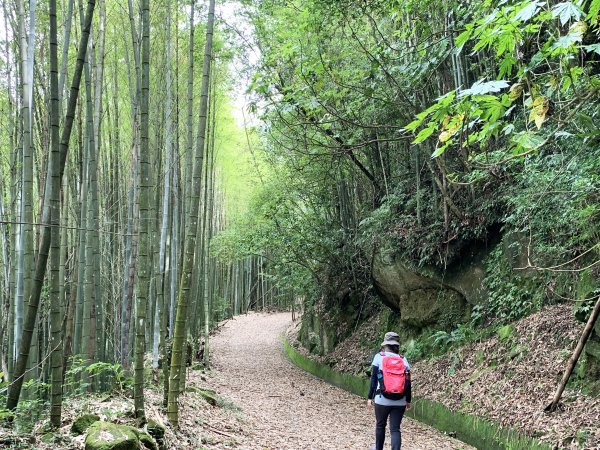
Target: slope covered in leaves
[508, 377]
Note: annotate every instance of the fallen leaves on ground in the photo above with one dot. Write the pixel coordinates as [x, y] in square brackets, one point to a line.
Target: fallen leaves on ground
[286, 408]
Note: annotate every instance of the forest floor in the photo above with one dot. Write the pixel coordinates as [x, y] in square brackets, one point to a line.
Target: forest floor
[285, 408]
[263, 402]
[507, 377]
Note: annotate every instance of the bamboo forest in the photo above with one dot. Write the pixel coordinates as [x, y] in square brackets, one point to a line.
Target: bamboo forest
[299, 224]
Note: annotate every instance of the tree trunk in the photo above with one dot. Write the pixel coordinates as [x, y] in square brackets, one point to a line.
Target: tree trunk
[55, 321]
[143, 278]
[181, 315]
[159, 311]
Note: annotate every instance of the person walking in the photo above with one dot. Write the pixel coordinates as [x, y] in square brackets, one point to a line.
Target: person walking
[390, 390]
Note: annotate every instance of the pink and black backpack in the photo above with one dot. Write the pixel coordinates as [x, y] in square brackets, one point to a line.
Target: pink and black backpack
[393, 375]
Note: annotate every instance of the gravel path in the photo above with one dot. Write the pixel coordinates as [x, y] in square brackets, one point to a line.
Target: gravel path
[287, 409]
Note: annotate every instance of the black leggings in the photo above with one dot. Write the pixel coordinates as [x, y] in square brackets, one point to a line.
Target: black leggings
[381, 415]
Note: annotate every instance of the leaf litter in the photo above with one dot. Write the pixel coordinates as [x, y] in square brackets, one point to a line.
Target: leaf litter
[507, 379]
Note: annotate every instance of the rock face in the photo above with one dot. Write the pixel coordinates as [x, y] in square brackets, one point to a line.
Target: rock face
[317, 333]
[425, 297]
[592, 350]
[110, 436]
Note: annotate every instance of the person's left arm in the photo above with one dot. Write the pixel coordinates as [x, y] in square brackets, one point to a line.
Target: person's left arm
[408, 385]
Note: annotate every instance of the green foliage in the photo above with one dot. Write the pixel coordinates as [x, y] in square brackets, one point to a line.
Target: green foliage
[415, 349]
[483, 115]
[111, 375]
[511, 296]
[443, 340]
[239, 167]
[584, 309]
[421, 143]
[27, 414]
[505, 333]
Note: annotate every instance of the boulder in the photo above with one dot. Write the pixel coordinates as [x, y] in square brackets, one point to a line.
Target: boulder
[592, 348]
[209, 396]
[111, 436]
[146, 440]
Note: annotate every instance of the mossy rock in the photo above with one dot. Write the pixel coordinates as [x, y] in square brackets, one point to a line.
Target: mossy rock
[422, 298]
[517, 352]
[82, 423]
[505, 333]
[110, 436]
[146, 440]
[592, 365]
[48, 438]
[210, 396]
[155, 429]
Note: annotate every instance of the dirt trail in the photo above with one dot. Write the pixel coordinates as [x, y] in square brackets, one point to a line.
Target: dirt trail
[285, 408]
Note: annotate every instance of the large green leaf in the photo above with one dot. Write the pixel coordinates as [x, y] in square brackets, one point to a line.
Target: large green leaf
[528, 11]
[481, 87]
[566, 11]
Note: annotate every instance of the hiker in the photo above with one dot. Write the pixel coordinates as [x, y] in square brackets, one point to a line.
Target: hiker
[390, 390]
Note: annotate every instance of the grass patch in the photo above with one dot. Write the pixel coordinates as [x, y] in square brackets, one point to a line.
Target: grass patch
[351, 383]
[472, 430]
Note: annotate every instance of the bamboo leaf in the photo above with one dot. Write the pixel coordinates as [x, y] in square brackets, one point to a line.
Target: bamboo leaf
[463, 37]
[440, 150]
[413, 125]
[424, 134]
[593, 12]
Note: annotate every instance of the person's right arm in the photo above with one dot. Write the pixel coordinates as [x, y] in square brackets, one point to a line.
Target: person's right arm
[374, 379]
[373, 385]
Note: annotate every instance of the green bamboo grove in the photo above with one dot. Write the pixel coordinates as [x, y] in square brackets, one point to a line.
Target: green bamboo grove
[167, 165]
[115, 144]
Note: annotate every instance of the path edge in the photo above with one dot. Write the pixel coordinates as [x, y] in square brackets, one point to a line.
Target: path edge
[480, 433]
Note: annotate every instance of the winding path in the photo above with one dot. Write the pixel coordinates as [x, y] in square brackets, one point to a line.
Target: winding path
[285, 408]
